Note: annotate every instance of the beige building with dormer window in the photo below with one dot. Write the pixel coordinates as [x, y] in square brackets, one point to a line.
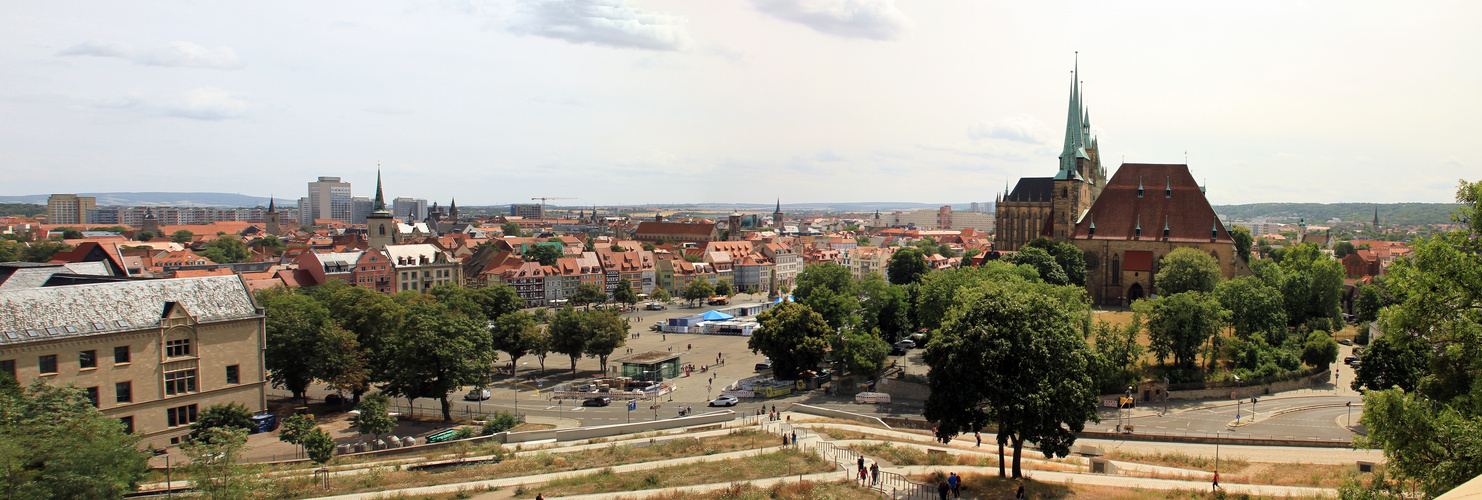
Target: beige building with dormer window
[152, 353]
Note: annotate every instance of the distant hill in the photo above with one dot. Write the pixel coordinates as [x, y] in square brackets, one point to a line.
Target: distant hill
[157, 199]
[1319, 213]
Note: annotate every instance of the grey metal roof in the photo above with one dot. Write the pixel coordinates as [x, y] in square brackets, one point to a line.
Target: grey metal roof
[47, 313]
[27, 275]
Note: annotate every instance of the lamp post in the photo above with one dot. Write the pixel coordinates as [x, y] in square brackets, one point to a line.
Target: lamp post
[1237, 409]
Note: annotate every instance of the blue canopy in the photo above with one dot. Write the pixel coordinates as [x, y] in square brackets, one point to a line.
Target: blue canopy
[716, 316]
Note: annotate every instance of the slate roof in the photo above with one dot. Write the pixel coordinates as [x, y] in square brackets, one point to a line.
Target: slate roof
[1033, 189]
[47, 313]
[24, 275]
[1170, 197]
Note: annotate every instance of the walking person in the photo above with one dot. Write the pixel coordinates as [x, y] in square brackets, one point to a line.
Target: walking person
[979, 437]
[862, 476]
[794, 438]
[956, 483]
[1020, 494]
[942, 490]
[875, 473]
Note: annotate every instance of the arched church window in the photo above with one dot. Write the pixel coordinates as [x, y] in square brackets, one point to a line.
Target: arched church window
[383, 230]
[1116, 271]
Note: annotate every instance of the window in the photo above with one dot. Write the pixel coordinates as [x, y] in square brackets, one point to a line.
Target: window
[128, 423]
[121, 355]
[92, 395]
[233, 374]
[178, 347]
[8, 366]
[181, 382]
[123, 392]
[180, 415]
[47, 363]
[87, 359]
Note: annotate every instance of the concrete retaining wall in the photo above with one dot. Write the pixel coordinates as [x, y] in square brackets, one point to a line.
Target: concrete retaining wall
[636, 427]
[1212, 440]
[839, 414]
[1255, 390]
[901, 389]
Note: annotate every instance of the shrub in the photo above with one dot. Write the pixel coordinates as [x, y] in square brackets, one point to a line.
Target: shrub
[499, 421]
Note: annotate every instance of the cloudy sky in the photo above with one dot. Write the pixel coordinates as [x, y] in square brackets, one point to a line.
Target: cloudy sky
[678, 101]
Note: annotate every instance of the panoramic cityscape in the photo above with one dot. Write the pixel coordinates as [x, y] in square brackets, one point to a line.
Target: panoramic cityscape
[799, 249]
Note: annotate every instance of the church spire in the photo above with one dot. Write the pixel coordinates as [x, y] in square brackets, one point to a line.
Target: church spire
[270, 207]
[380, 203]
[453, 209]
[1074, 129]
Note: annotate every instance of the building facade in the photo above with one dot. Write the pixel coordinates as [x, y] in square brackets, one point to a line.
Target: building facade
[152, 353]
[69, 208]
[329, 198]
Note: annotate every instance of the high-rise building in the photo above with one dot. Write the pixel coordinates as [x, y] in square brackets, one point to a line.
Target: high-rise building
[527, 210]
[305, 214]
[329, 198]
[69, 208]
[360, 207]
[408, 209]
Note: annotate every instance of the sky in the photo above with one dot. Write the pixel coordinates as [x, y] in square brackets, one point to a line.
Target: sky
[625, 102]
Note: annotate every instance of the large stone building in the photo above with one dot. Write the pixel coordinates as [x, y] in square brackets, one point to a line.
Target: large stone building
[69, 208]
[1146, 211]
[1050, 206]
[152, 353]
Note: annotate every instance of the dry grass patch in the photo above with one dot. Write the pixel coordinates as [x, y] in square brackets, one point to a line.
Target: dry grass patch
[510, 465]
[1181, 460]
[806, 490]
[774, 464]
[976, 485]
[903, 455]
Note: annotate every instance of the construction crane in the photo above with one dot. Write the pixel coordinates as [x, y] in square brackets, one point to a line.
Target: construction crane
[543, 199]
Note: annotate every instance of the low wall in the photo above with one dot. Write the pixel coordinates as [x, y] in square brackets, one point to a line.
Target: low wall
[901, 389]
[636, 427]
[1255, 390]
[839, 414]
[1311, 443]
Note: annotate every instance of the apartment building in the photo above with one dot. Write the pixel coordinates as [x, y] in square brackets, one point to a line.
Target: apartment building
[69, 208]
[152, 353]
[420, 266]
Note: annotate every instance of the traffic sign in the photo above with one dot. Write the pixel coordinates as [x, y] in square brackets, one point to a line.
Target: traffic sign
[632, 405]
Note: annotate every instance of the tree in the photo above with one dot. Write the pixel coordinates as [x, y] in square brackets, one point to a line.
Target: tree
[320, 445]
[698, 290]
[546, 255]
[648, 247]
[1013, 356]
[226, 251]
[1312, 285]
[1049, 270]
[374, 318]
[1254, 308]
[222, 416]
[215, 468]
[1179, 324]
[497, 300]
[906, 266]
[182, 236]
[1391, 362]
[1372, 299]
[691, 257]
[862, 352]
[615, 247]
[42, 251]
[723, 287]
[1428, 445]
[883, 308]
[1342, 249]
[569, 333]
[607, 331]
[342, 364]
[1070, 259]
[587, 293]
[1115, 356]
[375, 415]
[624, 292]
[793, 337]
[55, 444]
[939, 291]
[516, 334]
[660, 295]
[510, 229]
[1320, 350]
[69, 233]
[1187, 270]
[824, 276]
[295, 428]
[1243, 240]
[296, 326]
[437, 353]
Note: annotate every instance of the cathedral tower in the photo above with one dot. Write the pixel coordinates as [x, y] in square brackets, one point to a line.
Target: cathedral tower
[777, 218]
[1080, 177]
[271, 218]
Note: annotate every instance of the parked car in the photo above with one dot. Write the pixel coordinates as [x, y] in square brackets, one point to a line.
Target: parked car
[766, 364]
[906, 344]
[1345, 342]
[658, 325]
[897, 351]
[725, 401]
[334, 399]
[597, 401]
[655, 306]
[476, 395]
[1351, 360]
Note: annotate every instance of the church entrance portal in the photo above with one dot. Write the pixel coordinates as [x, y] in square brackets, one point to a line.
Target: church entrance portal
[1134, 293]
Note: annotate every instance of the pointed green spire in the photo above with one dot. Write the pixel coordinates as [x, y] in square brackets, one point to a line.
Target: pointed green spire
[380, 203]
[1074, 129]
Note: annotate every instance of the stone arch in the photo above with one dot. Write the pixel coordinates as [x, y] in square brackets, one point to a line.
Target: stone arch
[1134, 292]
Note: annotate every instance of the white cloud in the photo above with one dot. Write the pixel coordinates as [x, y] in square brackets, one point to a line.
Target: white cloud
[602, 22]
[177, 54]
[1022, 128]
[208, 103]
[1453, 162]
[872, 19]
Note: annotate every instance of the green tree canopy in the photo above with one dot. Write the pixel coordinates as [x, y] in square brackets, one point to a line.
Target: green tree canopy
[607, 331]
[1043, 263]
[862, 352]
[884, 308]
[516, 334]
[906, 266]
[226, 251]
[1012, 357]
[1256, 309]
[546, 255]
[375, 415]
[698, 289]
[182, 236]
[723, 287]
[939, 291]
[793, 337]
[224, 416]
[588, 293]
[436, 354]
[1243, 241]
[1342, 249]
[296, 331]
[1312, 285]
[660, 295]
[569, 331]
[1070, 259]
[1320, 350]
[510, 229]
[624, 292]
[70, 233]
[1187, 270]
[55, 444]
[1179, 325]
[215, 465]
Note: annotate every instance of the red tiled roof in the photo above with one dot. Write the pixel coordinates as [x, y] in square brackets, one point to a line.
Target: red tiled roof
[662, 228]
[1119, 210]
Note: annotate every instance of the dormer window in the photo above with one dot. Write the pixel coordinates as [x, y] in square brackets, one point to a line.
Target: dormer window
[1168, 188]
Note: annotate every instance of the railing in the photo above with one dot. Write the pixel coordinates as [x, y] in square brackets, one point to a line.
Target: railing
[890, 483]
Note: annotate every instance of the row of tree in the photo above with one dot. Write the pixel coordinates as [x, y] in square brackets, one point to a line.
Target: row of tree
[419, 345]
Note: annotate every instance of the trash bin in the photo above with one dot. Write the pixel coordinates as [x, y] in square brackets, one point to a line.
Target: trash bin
[264, 423]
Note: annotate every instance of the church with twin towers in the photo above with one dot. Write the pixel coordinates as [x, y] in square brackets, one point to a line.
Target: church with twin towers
[1124, 224]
